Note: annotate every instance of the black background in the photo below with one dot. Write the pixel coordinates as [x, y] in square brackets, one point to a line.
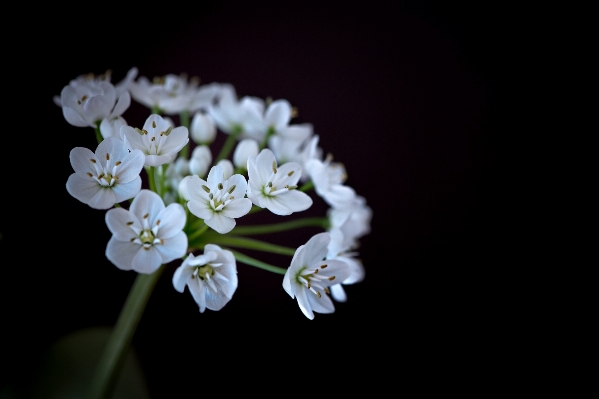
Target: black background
[404, 94]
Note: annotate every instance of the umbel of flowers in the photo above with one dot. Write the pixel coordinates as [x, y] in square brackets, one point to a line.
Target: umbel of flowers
[193, 202]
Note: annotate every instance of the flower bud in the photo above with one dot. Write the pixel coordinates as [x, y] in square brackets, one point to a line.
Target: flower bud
[245, 149]
[202, 129]
[201, 158]
[227, 168]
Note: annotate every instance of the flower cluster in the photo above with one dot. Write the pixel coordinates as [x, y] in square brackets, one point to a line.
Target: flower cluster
[168, 199]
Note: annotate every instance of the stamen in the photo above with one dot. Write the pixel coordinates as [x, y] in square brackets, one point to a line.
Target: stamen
[230, 191]
[147, 215]
[92, 160]
[153, 138]
[154, 124]
[158, 222]
[323, 266]
[326, 289]
[118, 163]
[290, 187]
[290, 173]
[205, 188]
[129, 223]
[220, 186]
[331, 278]
[139, 131]
[274, 166]
[90, 175]
[211, 196]
[107, 156]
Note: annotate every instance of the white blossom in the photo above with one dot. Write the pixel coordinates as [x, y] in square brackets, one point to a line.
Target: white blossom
[328, 178]
[309, 276]
[238, 117]
[274, 187]
[85, 102]
[146, 235]
[218, 201]
[157, 140]
[210, 277]
[112, 127]
[343, 250]
[106, 177]
[171, 94]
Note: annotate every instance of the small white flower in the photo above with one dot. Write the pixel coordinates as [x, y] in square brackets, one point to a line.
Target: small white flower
[328, 178]
[147, 235]
[309, 276]
[85, 102]
[157, 140]
[237, 117]
[274, 187]
[171, 94]
[106, 177]
[353, 219]
[217, 200]
[211, 277]
[228, 168]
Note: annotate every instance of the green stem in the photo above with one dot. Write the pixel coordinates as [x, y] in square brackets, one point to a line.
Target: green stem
[257, 263]
[113, 356]
[249, 243]
[307, 186]
[198, 232]
[227, 147]
[151, 179]
[99, 137]
[184, 119]
[276, 227]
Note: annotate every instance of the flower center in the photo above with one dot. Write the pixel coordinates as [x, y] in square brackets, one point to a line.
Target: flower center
[313, 281]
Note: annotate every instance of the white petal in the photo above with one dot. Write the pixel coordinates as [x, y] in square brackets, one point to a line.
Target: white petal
[173, 248]
[121, 253]
[73, 118]
[198, 292]
[304, 304]
[322, 304]
[220, 223]
[237, 208]
[294, 200]
[118, 221]
[147, 203]
[200, 209]
[338, 293]
[131, 166]
[316, 249]
[181, 276]
[172, 221]
[146, 261]
[127, 190]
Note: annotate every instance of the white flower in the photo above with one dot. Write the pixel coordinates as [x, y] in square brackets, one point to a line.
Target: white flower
[157, 140]
[353, 219]
[106, 177]
[273, 187]
[85, 102]
[309, 276]
[237, 117]
[147, 235]
[217, 200]
[202, 128]
[211, 277]
[171, 94]
[328, 178]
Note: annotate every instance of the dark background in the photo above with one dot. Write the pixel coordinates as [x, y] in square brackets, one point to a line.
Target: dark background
[404, 94]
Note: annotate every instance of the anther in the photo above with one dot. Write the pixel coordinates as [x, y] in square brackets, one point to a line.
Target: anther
[323, 266]
[154, 124]
[318, 293]
[139, 131]
[158, 222]
[331, 278]
[288, 187]
[211, 196]
[147, 215]
[205, 188]
[118, 163]
[230, 191]
[290, 173]
[107, 156]
[274, 167]
[90, 175]
[220, 186]
[92, 160]
[153, 138]
[129, 223]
